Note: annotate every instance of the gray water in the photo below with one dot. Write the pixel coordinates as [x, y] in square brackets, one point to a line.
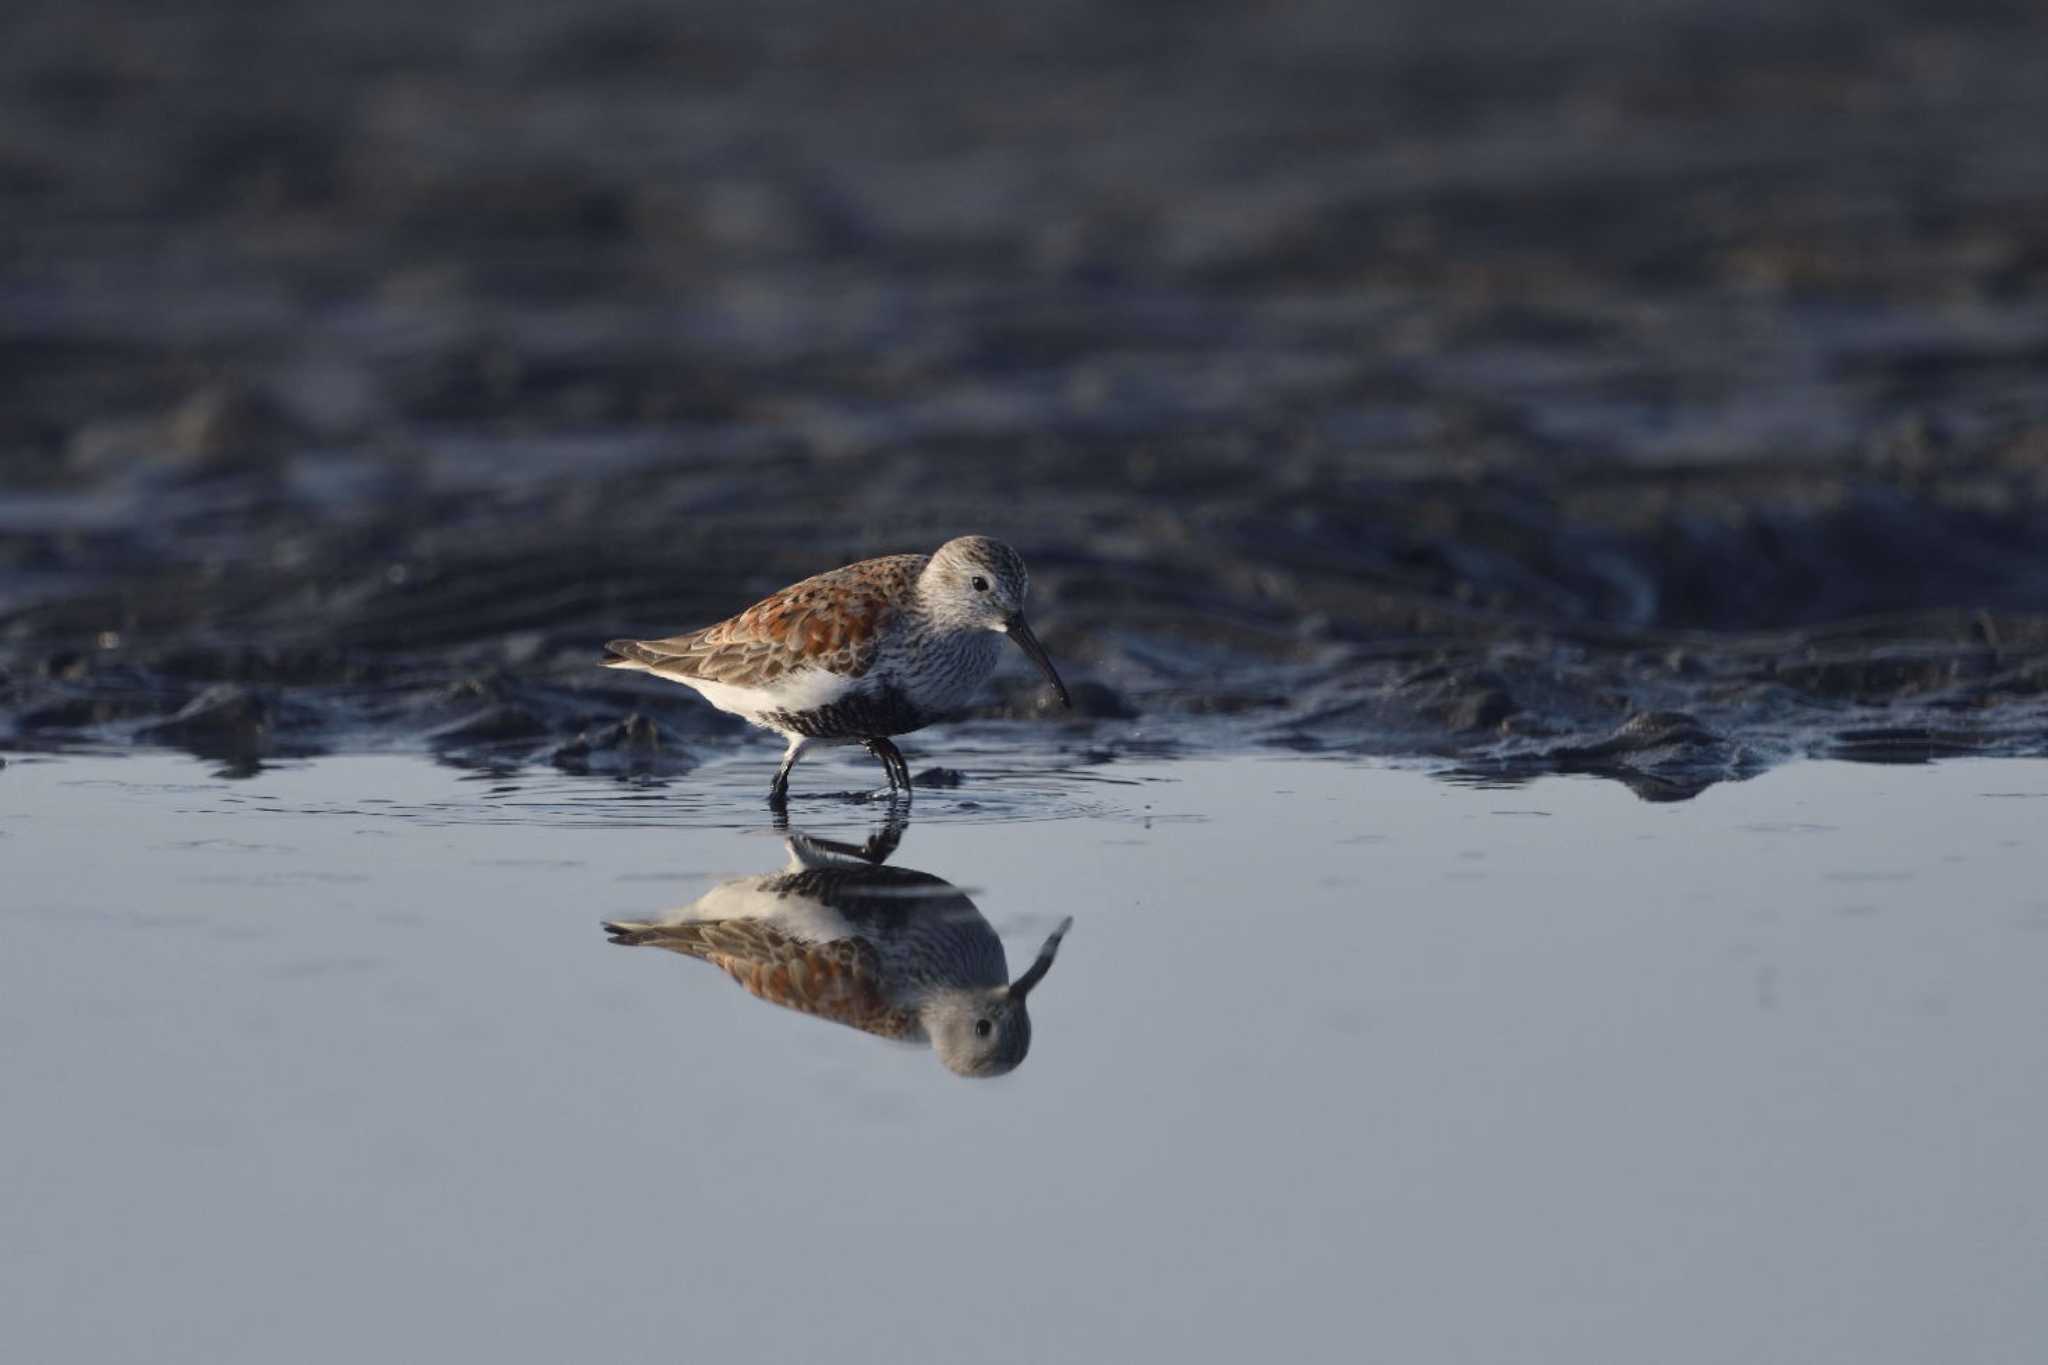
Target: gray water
[1339, 1061]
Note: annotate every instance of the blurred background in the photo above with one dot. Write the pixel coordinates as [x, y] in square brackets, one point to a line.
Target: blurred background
[1554, 386]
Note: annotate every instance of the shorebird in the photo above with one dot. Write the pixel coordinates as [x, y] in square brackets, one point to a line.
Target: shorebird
[856, 655]
[886, 950]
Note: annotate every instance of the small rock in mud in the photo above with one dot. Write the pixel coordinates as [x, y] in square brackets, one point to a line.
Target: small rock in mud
[1642, 733]
[231, 426]
[225, 719]
[65, 665]
[1660, 755]
[222, 428]
[1461, 700]
[1024, 699]
[1881, 675]
[636, 744]
[499, 724]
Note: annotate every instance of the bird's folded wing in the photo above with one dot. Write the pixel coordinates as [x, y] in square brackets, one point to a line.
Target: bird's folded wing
[833, 622]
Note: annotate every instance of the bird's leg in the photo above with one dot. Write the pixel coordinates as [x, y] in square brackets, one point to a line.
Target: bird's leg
[778, 791]
[881, 749]
[883, 841]
[892, 763]
[817, 852]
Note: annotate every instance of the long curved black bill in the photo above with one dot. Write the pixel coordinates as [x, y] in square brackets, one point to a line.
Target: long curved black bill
[1020, 631]
[1021, 987]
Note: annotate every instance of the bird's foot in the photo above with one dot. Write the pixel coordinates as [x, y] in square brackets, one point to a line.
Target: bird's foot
[893, 764]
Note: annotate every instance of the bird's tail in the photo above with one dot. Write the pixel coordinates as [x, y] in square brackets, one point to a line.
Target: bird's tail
[632, 934]
[625, 654]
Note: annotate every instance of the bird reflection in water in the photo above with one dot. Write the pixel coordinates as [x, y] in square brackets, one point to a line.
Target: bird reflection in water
[887, 950]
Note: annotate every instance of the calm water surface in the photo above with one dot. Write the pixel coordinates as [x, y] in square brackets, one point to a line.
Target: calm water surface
[1339, 1061]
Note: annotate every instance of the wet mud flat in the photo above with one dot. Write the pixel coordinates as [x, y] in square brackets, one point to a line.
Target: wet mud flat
[1540, 392]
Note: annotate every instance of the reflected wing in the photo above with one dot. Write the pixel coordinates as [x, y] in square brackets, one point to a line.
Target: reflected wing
[832, 622]
[840, 980]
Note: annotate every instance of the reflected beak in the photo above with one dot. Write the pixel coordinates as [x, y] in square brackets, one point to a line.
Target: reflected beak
[1017, 629]
[1021, 987]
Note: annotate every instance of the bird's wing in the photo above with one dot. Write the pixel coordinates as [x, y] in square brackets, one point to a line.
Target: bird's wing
[840, 980]
[833, 621]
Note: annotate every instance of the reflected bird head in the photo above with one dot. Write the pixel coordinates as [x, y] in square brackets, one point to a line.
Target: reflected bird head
[987, 1033]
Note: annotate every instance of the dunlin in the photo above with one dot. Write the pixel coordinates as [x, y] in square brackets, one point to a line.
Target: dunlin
[875, 649]
[886, 950]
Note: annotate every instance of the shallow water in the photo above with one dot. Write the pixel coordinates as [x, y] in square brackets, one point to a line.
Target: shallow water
[1337, 1054]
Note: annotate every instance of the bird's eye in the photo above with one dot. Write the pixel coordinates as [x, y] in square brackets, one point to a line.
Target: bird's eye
[980, 583]
[983, 1028]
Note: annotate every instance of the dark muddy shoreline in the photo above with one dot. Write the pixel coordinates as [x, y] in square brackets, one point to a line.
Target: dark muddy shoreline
[1660, 399]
